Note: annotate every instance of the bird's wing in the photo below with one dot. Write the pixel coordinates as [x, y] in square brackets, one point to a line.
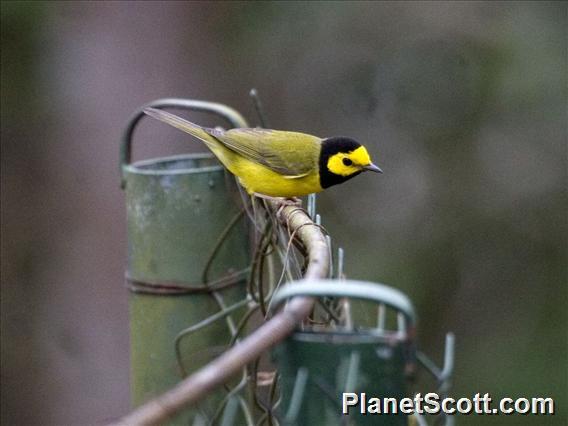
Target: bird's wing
[290, 154]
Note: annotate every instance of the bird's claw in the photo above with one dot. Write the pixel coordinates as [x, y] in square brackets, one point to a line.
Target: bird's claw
[292, 201]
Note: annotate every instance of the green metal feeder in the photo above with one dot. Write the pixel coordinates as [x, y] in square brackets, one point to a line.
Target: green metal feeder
[177, 209]
[318, 367]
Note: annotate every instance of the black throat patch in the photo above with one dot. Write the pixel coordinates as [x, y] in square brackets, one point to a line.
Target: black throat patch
[329, 147]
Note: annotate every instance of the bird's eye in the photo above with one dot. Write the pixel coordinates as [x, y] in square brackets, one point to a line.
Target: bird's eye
[347, 161]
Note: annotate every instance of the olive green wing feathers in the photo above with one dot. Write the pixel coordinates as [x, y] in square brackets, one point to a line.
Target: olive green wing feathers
[290, 154]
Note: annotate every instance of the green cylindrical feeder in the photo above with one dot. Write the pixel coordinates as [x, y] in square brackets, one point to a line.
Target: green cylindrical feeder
[177, 210]
[317, 368]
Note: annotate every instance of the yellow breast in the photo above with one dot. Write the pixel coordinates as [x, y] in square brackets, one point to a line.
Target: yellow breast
[257, 178]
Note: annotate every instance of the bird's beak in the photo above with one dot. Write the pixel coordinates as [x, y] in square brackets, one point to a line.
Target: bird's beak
[372, 168]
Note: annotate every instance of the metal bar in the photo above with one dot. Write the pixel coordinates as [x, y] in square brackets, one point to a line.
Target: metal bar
[429, 365]
[381, 317]
[311, 207]
[352, 372]
[297, 395]
[340, 263]
[448, 368]
[401, 326]
[331, 272]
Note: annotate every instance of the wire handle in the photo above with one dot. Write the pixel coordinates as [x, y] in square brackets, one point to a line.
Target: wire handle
[223, 111]
[379, 293]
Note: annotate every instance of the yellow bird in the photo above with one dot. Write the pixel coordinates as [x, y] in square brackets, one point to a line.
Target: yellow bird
[277, 163]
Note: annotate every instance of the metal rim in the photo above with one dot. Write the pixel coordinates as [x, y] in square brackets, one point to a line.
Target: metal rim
[349, 337]
[135, 168]
[376, 292]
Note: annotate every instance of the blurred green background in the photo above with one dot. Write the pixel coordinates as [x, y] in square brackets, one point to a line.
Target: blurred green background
[462, 104]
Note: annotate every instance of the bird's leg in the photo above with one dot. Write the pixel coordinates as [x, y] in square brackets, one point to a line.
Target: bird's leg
[292, 201]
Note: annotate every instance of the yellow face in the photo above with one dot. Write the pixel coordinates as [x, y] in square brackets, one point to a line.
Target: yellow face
[347, 163]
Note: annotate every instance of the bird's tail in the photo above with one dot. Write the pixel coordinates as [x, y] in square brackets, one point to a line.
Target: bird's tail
[184, 125]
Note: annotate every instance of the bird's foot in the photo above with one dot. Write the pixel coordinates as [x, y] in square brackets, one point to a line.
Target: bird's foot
[292, 201]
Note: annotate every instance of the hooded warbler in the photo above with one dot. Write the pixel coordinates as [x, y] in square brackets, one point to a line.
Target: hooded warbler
[277, 163]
